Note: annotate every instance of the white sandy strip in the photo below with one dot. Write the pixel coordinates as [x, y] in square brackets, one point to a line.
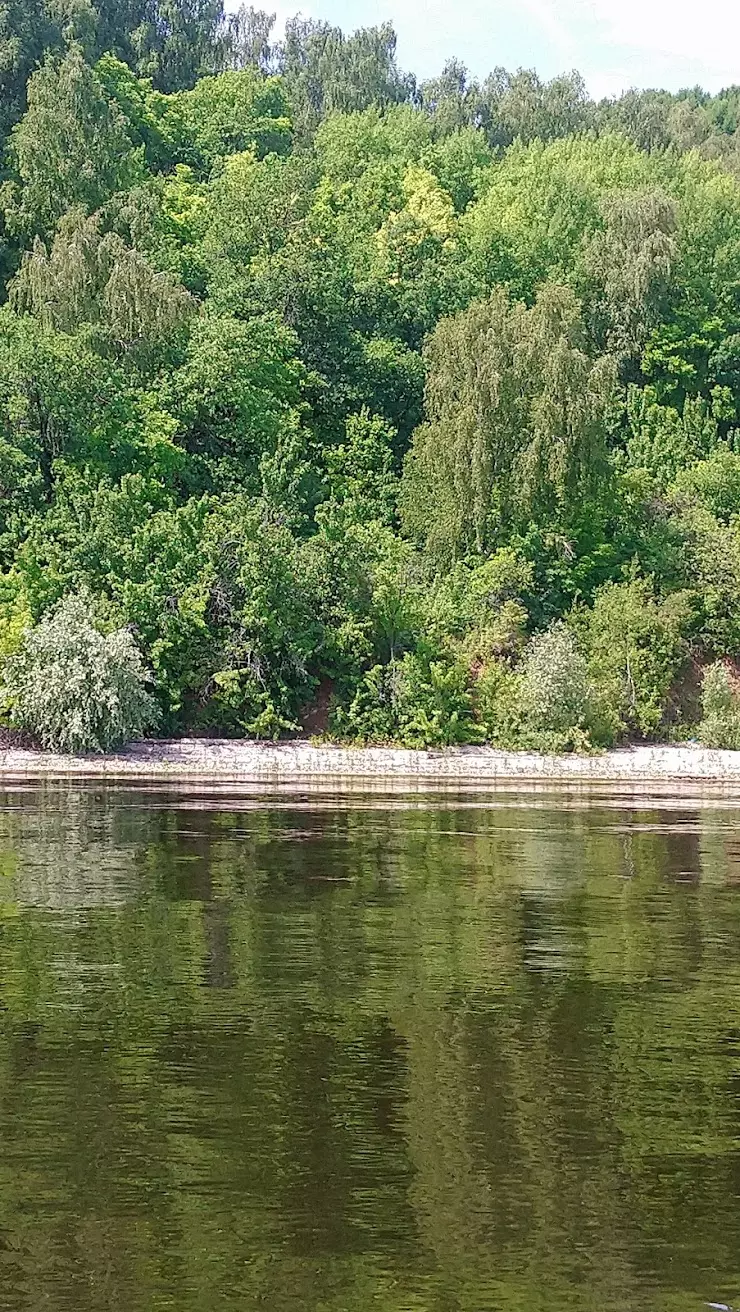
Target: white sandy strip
[241, 761]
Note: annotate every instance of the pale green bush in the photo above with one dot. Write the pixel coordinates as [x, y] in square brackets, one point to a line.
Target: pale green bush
[554, 691]
[77, 689]
[720, 699]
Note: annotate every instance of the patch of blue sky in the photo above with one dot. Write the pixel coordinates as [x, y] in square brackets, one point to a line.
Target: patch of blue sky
[615, 44]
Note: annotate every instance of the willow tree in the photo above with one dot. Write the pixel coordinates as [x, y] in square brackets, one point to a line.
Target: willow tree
[630, 262]
[91, 276]
[516, 421]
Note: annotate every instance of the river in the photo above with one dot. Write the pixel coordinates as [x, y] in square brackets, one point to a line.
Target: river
[455, 1052]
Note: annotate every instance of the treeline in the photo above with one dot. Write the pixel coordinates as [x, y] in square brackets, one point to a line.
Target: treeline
[409, 412]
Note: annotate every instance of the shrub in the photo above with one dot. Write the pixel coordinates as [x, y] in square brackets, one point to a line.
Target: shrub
[720, 699]
[711, 568]
[497, 704]
[246, 706]
[635, 645]
[554, 690]
[554, 700]
[77, 689]
[414, 701]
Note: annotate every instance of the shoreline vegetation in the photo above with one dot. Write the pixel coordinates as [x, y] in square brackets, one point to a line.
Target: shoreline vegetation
[242, 762]
[336, 403]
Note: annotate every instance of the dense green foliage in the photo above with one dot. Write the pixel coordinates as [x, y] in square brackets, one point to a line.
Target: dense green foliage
[339, 391]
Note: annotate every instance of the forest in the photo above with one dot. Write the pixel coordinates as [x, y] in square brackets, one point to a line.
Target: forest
[340, 403]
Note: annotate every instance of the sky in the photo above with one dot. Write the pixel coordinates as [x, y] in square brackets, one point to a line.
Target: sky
[615, 44]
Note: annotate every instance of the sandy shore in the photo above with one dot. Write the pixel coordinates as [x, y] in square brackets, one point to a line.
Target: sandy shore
[221, 761]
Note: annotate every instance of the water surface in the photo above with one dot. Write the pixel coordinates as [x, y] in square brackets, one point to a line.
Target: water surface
[469, 1052]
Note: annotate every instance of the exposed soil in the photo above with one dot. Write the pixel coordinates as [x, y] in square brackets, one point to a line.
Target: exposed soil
[17, 739]
[314, 719]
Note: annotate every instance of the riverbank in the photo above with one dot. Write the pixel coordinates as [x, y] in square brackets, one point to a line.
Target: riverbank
[223, 760]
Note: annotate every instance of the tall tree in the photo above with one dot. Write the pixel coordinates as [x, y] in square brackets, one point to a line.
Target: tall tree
[248, 39]
[71, 147]
[28, 28]
[515, 426]
[452, 100]
[521, 106]
[174, 42]
[326, 70]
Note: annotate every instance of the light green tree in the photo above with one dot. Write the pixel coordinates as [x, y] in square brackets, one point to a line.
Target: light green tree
[234, 112]
[516, 420]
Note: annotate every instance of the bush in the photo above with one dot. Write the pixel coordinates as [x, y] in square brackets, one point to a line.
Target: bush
[247, 706]
[635, 645]
[548, 704]
[77, 689]
[414, 701]
[554, 690]
[497, 704]
[711, 568]
[720, 699]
